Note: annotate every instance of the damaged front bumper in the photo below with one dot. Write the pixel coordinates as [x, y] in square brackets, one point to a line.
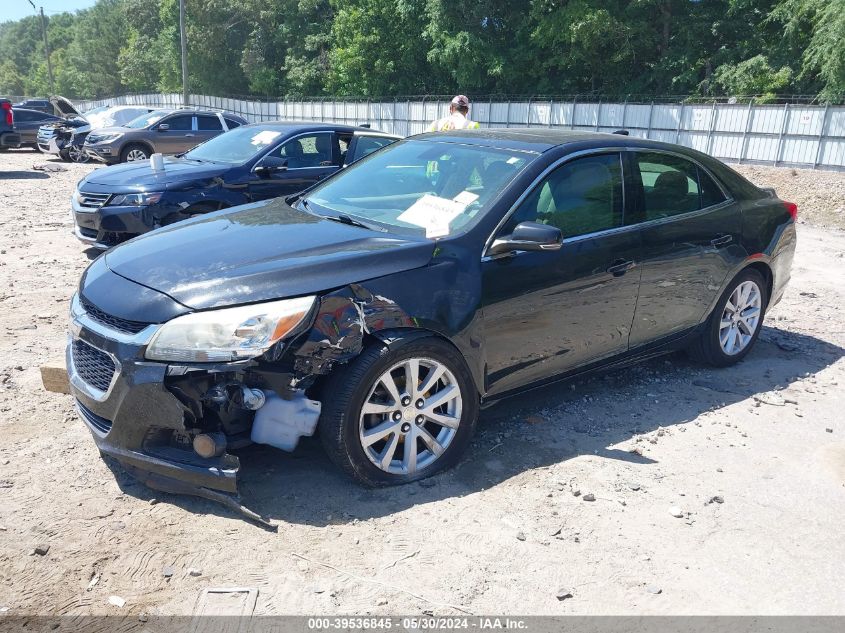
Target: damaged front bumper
[131, 407]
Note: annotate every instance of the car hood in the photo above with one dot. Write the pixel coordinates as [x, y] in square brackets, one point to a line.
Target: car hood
[260, 252]
[139, 175]
[63, 107]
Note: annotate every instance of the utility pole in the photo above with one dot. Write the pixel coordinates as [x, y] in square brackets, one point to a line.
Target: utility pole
[46, 46]
[185, 98]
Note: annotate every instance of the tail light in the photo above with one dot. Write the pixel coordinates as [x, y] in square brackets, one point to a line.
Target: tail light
[7, 111]
[792, 209]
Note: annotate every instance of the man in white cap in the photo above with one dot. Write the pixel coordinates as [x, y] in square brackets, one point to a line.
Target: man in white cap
[457, 119]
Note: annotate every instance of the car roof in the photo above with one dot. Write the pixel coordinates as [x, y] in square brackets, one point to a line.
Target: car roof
[542, 139]
[192, 111]
[308, 126]
[31, 111]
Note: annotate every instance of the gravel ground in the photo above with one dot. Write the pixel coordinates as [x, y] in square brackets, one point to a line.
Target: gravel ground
[751, 459]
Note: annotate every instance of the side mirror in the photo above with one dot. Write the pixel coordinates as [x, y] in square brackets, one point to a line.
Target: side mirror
[163, 127]
[528, 236]
[271, 165]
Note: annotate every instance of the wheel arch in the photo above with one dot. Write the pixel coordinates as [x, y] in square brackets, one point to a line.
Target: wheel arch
[766, 271]
[145, 144]
[758, 263]
[352, 318]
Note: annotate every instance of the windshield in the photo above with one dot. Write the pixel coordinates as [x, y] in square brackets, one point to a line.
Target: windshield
[431, 188]
[96, 110]
[146, 120]
[235, 146]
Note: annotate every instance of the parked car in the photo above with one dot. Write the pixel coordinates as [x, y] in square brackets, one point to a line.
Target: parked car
[391, 301]
[9, 137]
[66, 139]
[247, 164]
[159, 131]
[28, 122]
[42, 105]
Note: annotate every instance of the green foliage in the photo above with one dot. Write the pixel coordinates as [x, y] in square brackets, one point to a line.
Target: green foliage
[752, 77]
[392, 47]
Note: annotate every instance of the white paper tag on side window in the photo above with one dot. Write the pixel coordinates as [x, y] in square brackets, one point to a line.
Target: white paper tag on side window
[433, 214]
[466, 198]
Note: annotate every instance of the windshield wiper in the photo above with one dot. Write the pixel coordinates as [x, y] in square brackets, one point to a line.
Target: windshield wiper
[346, 219]
[341, 218]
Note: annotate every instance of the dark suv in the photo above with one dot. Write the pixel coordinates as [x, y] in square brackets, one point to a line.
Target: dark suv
[159, 132]
[8, 136]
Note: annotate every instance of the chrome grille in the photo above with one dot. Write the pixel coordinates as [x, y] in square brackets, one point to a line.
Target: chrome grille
[91, 200]
[110, 321]
[94, 366]
[99, 423]
[45, 134]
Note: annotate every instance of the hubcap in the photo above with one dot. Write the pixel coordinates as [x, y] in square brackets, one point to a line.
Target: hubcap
[135, 154]
[410, 416]
[740, 318]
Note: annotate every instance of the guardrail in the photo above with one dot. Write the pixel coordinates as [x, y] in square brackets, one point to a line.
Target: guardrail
[785, 134]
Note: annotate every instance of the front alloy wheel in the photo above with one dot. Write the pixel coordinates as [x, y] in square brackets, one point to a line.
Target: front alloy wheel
[77, 154]
[136, 153]
[399, 413]
[410, 416]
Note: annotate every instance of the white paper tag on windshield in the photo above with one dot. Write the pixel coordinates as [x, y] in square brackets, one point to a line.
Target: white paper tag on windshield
[265, 137]
[433, 214]
[466, 198]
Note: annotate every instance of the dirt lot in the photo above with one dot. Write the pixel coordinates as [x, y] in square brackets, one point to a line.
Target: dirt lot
[753, 457]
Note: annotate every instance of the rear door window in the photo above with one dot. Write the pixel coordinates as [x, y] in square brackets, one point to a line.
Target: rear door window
[673, 185]
[207, 123]
[711, 193]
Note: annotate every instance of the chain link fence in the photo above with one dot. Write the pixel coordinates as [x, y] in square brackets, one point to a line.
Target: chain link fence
[796, 132]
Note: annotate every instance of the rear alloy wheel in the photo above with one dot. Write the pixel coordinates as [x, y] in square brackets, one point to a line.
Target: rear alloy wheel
[135, 153]
[735, 324]
[399, 414]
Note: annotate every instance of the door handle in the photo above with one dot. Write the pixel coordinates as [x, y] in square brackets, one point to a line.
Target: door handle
[620, 267]
[721, 240]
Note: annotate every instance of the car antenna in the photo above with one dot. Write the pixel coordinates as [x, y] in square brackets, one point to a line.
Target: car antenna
[621, 132]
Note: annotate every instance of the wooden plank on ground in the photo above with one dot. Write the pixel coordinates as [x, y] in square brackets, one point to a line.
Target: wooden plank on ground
[54, 376]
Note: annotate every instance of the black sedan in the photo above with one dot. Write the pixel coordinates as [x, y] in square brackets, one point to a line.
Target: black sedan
[391, 302]
[247, 164]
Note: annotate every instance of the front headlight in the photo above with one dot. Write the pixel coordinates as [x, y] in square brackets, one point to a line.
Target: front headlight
[105, 138]
[228, 334]
[135, 199]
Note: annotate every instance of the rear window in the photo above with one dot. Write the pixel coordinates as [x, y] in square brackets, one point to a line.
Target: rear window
[205, 122]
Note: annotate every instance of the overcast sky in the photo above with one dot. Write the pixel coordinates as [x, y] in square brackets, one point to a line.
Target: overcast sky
[17, 9]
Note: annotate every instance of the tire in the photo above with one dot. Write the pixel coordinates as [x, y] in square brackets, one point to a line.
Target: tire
[716, 341]
[349, 387]
[78, 156]
[64, 155]
[136, 150]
